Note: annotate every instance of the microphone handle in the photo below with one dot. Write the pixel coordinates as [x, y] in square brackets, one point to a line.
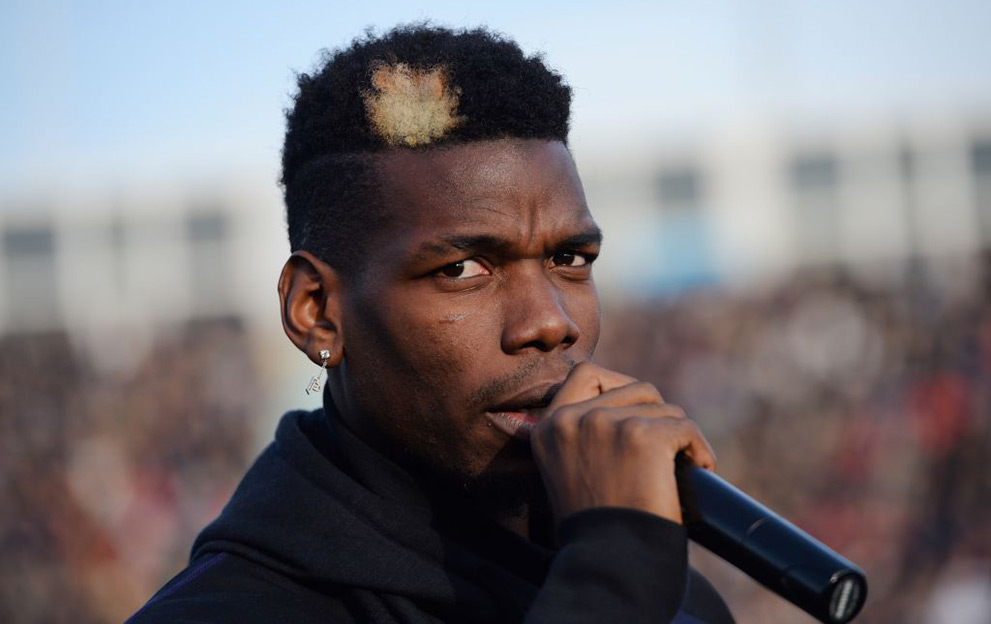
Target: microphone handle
[768, 548]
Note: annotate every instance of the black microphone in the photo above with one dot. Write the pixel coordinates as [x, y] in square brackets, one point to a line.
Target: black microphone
[768, 548]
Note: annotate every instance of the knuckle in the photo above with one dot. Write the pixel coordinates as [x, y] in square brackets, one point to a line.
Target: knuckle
[676, 411]
[634, 431]
[597, 420]
[598, 415]
[646, 389]
[561, 427]
[565, 415]
[693, 427]
[690, 433]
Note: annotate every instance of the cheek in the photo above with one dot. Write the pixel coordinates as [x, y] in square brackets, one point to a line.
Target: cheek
[445, 348]
[586, 313]
[428, 361]
[593, 330]
[415, 377]
[457, 353]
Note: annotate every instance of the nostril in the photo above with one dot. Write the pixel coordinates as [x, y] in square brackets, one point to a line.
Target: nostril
[546, 334]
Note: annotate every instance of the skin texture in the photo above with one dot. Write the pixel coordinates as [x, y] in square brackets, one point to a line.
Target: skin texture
[476, 299]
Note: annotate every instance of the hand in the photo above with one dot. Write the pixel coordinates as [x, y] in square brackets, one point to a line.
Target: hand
[608, 440]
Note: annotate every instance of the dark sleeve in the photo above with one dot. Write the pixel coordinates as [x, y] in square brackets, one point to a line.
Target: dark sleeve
[615, 565]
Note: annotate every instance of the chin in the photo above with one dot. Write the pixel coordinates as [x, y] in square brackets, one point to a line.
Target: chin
[514, 459]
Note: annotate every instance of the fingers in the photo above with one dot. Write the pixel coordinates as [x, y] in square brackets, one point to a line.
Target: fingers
[585, 381]
[698, 450]
[611, 399]
[639, 393]
[608, 440]
[659, 428]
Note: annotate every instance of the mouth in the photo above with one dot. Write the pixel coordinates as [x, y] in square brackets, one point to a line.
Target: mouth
[518, 423]
[518, 416]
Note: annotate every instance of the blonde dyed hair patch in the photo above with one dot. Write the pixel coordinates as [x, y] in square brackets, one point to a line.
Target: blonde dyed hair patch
[410, 106]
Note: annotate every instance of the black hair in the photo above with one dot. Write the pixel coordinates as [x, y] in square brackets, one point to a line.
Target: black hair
[491, 88]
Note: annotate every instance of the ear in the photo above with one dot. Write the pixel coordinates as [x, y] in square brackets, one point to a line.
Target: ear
[310, 291]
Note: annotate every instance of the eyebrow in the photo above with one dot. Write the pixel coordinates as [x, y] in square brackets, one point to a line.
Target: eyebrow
[488, 242]
[591, 236]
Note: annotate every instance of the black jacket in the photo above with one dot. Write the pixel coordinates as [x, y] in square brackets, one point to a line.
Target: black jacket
[324, 529]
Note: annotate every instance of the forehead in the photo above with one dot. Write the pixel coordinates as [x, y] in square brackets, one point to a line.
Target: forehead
[519, 189]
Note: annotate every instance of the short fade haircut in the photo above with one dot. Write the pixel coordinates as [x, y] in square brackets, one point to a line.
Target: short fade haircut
[417, 87]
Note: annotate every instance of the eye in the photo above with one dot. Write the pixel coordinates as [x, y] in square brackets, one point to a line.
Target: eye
[570, 259]
[463, 270]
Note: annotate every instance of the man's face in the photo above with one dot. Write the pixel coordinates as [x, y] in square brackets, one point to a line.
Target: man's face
[475, 301]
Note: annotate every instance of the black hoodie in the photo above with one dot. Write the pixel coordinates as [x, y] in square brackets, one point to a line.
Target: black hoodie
[325, 529]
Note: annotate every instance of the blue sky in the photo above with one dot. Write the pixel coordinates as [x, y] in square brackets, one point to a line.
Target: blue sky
[104, 91]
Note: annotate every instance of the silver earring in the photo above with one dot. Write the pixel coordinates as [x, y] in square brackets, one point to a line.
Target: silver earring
[315, 383]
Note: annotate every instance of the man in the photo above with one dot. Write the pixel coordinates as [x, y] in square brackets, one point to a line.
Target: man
[470, 463]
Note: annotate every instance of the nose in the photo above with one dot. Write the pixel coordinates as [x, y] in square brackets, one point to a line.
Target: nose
[536, 316]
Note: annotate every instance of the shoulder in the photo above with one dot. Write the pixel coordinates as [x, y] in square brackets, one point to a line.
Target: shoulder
[223, 587]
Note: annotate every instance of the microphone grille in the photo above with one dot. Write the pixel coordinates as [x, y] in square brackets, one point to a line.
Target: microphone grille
[846, 600]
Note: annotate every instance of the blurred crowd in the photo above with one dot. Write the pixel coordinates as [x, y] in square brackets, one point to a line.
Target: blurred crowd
[860, 411]
[105, 478]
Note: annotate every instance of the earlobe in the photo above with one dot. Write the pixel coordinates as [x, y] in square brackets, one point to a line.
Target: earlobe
[310, 292]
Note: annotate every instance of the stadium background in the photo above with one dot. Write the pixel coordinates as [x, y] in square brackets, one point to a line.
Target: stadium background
[796, 198]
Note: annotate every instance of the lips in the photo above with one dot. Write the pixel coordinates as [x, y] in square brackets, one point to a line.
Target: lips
[518, 415]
